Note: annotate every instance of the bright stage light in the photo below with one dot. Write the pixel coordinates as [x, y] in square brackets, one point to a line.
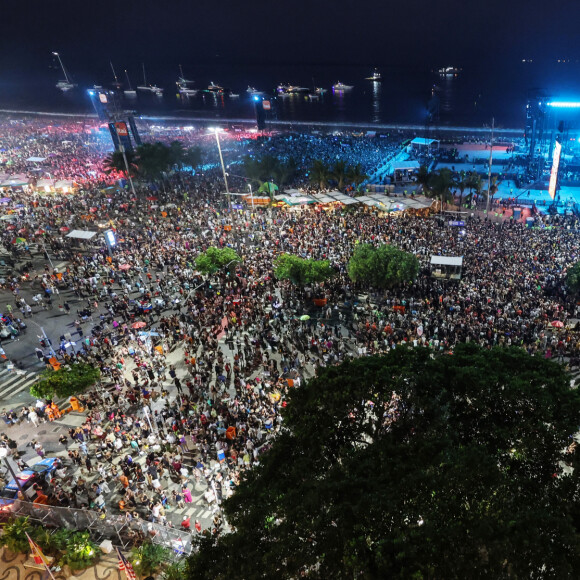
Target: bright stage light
[565, 104]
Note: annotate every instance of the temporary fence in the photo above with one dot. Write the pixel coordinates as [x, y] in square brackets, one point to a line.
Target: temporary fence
[120, 531]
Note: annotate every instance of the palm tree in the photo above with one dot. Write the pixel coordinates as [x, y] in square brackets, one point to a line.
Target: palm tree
[319, 173]
[339, 172]
[193, 157]
[493, 187]
[252, 169]
[440, 184]
[462, 184]
[114, 162]
[285, 172]
[356, 175]
[269, 166]
[154, 159]
[423, 177]
[176, 155]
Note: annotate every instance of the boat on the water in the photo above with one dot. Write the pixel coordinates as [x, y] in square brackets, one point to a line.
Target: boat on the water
[66, 84]
[116, 84]
[296, 89]
[342, 87]
[217, 89]
[183, 85]
[375, 77]
[145, 88]
[129, 92]
[253, 91]
[449, 70]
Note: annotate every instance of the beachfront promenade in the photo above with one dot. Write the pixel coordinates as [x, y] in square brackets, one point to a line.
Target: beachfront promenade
[283, 123]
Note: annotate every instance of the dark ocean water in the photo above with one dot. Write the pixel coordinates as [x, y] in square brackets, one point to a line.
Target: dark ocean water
[471, 98]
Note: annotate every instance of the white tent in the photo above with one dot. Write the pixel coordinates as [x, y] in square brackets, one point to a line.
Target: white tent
[421, 143]
[63, 184]
[82, 234]
[15, 181]
[44, 183]
[447, 267]
[401, 165]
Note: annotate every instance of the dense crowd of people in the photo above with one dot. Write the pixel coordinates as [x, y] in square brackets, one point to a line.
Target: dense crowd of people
[211, 359]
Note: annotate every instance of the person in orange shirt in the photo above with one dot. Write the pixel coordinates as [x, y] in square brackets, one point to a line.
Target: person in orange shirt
[124, 480]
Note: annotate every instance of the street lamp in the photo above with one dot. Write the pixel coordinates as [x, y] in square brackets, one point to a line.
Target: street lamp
[216, 131]
[49, 344]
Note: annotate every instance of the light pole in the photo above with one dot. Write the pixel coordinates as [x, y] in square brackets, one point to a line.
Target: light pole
[489, 170]
[216, 132]
[49, 344]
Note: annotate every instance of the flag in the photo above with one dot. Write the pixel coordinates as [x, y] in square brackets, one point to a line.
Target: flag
[125, 565]
[39, 557]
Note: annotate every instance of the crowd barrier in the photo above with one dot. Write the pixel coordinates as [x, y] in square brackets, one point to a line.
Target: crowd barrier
[122, 533]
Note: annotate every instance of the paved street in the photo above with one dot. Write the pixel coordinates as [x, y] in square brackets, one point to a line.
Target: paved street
[14, 394]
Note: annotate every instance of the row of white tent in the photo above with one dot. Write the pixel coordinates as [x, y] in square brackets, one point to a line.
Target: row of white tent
[378, 200]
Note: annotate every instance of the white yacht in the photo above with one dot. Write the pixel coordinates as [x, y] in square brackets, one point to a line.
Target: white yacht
[449, 70]
[375, 77]
[183, 85]
[129, 92]
[154, 89]
[342, 87]
[66, 84]
[253, 91]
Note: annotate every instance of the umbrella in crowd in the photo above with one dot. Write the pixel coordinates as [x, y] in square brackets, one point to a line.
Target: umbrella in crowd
[557, 324]
[139, 324]
[64, 229]
[124, 267]
[305, 317]
[18, 241]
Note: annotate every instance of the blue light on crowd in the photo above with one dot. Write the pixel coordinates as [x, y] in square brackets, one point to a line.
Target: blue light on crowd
[91, 93]
[565, 104]
[256, 98]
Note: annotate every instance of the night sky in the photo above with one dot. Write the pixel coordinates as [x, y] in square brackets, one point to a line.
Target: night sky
[371, 32]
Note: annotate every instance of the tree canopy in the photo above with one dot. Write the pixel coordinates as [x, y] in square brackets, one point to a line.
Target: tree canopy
[214, 259]
[573, 278]
[69, 380]
[411, 466]
[384, 266]
[302, 271]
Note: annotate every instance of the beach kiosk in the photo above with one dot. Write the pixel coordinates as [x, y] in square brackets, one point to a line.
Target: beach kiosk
[447, 267]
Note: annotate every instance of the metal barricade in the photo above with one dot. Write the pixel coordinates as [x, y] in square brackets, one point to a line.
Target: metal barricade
[117, 529]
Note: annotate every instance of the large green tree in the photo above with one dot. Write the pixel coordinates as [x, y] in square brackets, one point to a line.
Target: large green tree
[69, 380]
[384, 266]
[214, 259]
[573, 278]
[302, 271]
[410, 466]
